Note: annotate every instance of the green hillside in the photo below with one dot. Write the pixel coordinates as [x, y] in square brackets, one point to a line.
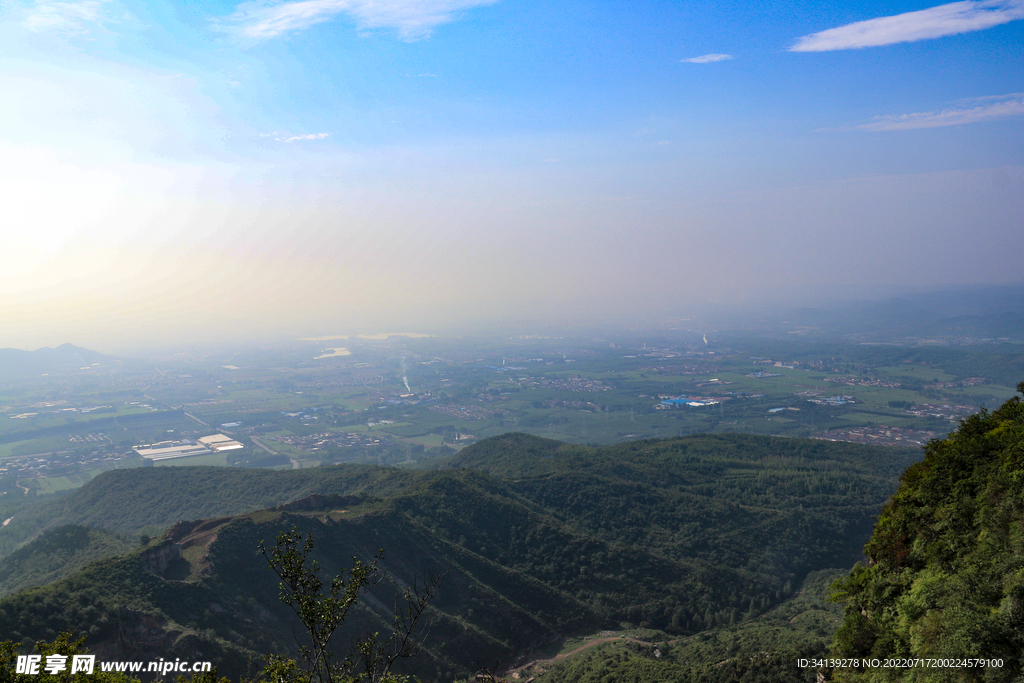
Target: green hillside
[737, 500]
[945, 577]
[57, 553]
[134, 500]
[765, 649]
[541, 541]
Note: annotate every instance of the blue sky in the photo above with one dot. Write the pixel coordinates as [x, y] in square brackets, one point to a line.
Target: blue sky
[261, 168]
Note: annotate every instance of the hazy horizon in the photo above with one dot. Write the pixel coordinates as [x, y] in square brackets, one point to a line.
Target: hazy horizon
[228, 171]
[861, 311]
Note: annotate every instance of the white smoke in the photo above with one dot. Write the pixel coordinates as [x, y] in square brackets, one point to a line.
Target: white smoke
[405, 378]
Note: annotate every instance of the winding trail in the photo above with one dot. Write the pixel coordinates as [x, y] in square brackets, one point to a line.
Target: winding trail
[564, 655]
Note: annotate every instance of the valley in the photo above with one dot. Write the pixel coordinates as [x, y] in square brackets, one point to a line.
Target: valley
[413, 401]
[541, 540]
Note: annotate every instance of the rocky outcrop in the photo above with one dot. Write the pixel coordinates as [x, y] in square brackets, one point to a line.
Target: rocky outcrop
[155, 560]
[141, 632]
[146, 637]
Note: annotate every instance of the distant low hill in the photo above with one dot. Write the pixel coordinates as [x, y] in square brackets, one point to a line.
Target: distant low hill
[540, 540]
[66, 357]
[982, 312]
[135, 500]
[56, 554]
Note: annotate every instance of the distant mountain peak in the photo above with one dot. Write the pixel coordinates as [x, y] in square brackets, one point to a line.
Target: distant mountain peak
[46, 360]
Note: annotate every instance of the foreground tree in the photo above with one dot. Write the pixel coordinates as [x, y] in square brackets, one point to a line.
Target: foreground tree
[945, 578]
[369, 658]
[54, 662]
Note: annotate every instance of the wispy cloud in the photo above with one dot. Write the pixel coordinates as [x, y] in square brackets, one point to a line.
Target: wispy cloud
[298, 138]
[705, 59]
[63, 16]
[412, 18]
[984, 109]
[934, 22]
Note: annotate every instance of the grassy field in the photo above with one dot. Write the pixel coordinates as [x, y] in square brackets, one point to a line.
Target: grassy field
[47, 444]
[924, 373]
[213, 459]
[536, 399]
[117, 464]
[362, 428]
[73, 423]
[7, 450]
[54, 484]
[1001, 393]
[428, 440]
[874, 419]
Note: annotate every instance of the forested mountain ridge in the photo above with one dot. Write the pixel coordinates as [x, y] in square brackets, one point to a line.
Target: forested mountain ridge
[767, 649]
[57, 553]
[945, 577]
[131, 500]
[724, 498]
[679, 534]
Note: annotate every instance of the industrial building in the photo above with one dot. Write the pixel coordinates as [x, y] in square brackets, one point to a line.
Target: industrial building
[184, 448]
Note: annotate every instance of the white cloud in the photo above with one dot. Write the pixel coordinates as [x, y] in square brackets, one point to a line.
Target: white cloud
[311, 136]
[412, 18]
[934, 22]
[705, 59]
[985, 109]
[63, 16]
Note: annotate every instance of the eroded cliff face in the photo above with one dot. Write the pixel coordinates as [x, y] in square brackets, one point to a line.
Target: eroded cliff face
[144, 636]
[139, 636]
[170, 559]
[157, 559]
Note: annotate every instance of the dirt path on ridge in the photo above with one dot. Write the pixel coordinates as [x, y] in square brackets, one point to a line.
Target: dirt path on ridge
[565, 655]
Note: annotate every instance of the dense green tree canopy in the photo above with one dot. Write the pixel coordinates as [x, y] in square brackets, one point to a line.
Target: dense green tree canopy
[945, 572]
